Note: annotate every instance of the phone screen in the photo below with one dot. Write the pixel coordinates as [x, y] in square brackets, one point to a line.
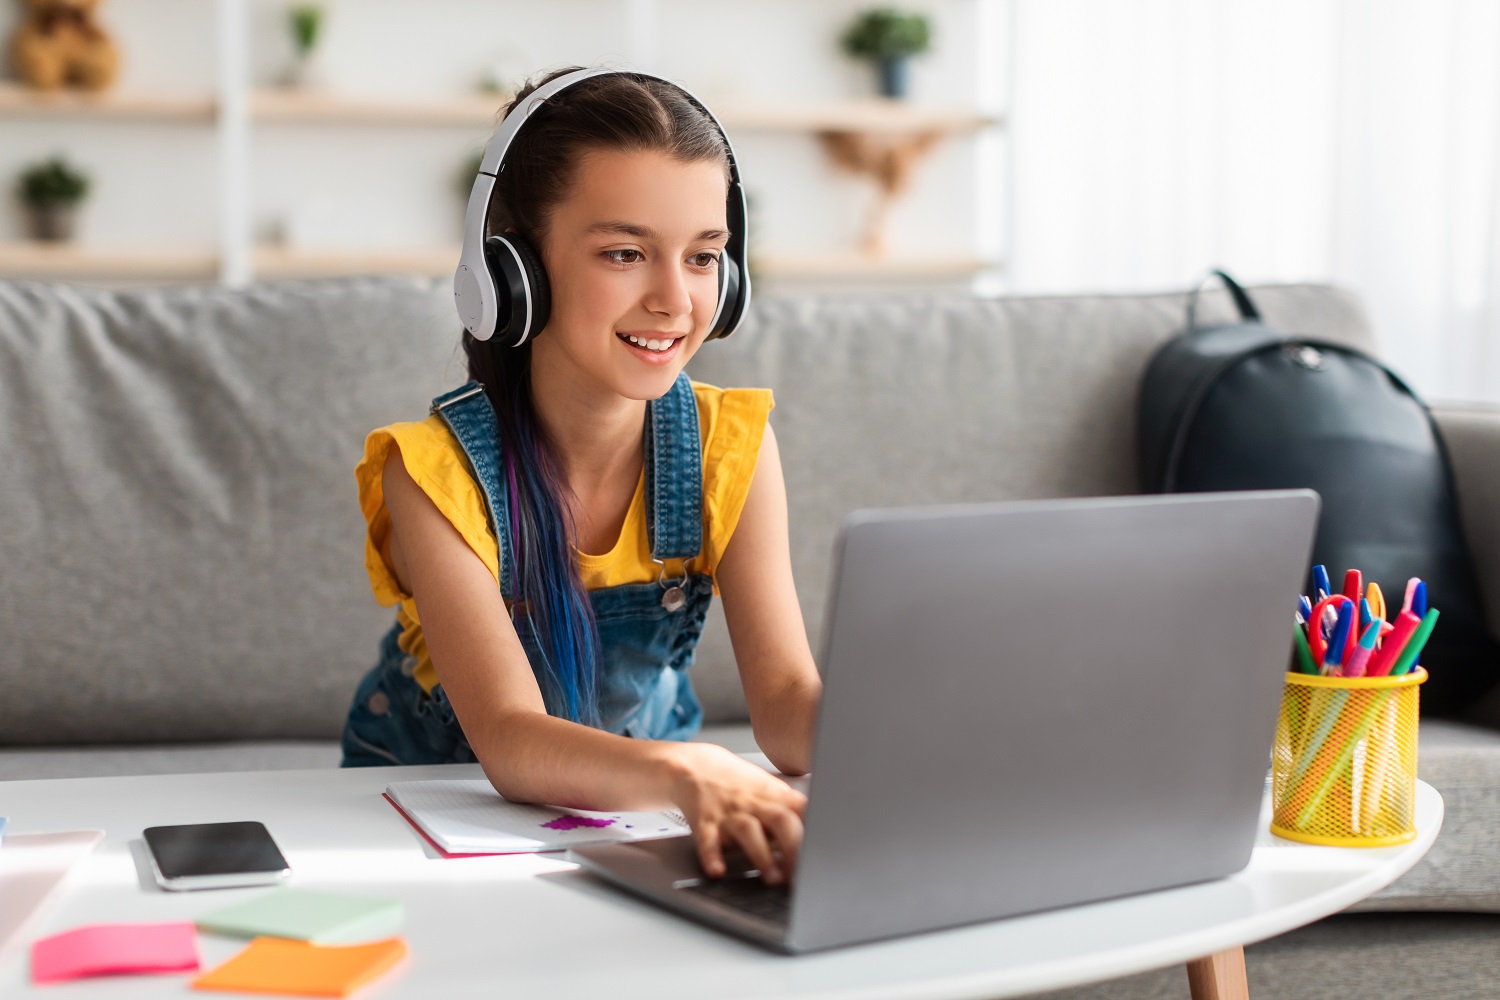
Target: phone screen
[206, 849]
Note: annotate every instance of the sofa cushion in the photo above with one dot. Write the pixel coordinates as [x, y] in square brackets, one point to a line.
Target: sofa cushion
[182, 543]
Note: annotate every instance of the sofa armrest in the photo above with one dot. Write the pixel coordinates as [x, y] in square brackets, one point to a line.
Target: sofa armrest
[1472, 434]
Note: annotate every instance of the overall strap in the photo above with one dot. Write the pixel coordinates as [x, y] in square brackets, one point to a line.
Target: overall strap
[469, 415]
[674, 474]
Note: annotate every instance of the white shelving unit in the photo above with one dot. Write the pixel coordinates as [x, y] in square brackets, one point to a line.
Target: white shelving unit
[237, 112]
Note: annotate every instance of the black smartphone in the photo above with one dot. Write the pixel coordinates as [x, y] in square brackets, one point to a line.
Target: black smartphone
[214, 855]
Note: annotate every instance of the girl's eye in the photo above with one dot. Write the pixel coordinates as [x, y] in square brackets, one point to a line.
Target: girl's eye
[613, 255]
[705, 259]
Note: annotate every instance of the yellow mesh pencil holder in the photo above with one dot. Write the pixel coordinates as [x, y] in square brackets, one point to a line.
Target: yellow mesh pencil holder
[1344, 765]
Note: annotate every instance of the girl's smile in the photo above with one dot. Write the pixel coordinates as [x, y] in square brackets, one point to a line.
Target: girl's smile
[654, 347]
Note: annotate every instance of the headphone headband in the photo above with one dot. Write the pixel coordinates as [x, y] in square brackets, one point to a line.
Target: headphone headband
[476, 291]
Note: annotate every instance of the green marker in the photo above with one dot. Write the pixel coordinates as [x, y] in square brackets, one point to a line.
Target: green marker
[1414, 645]
[1304, 654]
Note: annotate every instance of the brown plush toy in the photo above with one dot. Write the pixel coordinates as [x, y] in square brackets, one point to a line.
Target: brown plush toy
[59, 43]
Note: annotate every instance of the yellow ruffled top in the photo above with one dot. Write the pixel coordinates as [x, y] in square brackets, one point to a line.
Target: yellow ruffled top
[731, 423]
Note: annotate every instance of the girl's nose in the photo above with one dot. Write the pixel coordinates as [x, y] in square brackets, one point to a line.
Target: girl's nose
[668, 293]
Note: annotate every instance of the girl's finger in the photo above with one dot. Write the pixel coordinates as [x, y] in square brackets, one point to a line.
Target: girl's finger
[786, 829]
[710, 848]
[751, 836]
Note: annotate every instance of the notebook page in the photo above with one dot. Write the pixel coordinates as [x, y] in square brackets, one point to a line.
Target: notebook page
[467, 816]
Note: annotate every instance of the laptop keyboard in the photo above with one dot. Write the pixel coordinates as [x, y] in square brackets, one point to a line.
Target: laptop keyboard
[750, 895]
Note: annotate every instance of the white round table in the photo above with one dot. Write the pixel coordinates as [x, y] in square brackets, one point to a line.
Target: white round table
[534, 926]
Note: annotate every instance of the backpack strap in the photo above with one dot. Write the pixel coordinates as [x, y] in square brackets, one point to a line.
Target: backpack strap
[674, 474]
[469, 415]
[1248, 312]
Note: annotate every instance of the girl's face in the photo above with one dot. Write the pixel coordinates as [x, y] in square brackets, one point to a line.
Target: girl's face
[632, 255]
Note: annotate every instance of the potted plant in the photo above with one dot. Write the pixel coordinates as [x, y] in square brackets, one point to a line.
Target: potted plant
[889, 38]
[51, 192]
[306, 23]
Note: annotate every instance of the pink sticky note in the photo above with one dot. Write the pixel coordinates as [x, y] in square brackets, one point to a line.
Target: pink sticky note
[113, 949]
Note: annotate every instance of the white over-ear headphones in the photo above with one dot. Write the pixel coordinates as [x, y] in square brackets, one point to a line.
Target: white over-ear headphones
[501, 288]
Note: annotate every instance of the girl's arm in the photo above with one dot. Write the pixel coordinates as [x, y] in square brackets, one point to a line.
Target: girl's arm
[530, 756]
[765, 621]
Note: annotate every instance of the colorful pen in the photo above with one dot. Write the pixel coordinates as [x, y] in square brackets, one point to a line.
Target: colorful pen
[1419, 607]
[1321, 587]
[1334, 657]
[1353, 584]
[1304, 655]
[1411, 594]
[1408, 657]
[1360, 658]
[1381, 664]
[1376, 597]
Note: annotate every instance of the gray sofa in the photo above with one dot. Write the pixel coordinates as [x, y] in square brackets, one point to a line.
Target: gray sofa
[181, 576]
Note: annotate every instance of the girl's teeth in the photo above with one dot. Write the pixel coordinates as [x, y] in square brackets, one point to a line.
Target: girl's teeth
[650, 345]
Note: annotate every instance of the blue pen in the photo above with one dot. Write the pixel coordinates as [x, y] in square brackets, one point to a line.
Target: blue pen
[1366, 616]
[1334, 657]
[1419, 608]
[1321, 586]
[1304, 606]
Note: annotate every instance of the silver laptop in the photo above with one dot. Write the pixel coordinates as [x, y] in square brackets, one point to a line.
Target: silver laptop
[1026, 706]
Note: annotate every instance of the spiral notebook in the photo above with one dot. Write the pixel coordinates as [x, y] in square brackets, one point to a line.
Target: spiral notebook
[467, 816]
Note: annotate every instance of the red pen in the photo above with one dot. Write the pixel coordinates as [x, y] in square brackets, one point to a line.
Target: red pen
[1353, 584]
[1382, 662]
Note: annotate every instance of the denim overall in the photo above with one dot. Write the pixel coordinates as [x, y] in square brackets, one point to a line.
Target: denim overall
[647, 631]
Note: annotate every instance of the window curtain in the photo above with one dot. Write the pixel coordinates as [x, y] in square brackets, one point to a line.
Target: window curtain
[1350, 141]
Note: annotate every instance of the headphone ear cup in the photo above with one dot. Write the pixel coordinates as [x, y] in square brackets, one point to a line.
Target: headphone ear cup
[726, 317]
[525, 294]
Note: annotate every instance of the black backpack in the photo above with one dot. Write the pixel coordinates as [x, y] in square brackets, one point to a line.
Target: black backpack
[1244, 406]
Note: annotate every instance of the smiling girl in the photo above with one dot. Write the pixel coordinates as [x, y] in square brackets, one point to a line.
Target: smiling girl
[553, 539]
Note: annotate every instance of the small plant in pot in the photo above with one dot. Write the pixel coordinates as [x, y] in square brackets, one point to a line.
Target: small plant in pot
[51, 192]
[889, 38]
[306, 22]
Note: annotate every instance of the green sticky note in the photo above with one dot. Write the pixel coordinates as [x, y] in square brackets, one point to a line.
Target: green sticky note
[319, 917]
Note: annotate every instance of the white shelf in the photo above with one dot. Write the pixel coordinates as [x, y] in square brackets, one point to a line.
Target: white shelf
[72, 260]
[843, 265]
[18, 101]
[873, 115]
[290, 262]
[331, 108]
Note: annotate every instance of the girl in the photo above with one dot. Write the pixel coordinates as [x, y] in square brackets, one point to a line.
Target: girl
[554, 542]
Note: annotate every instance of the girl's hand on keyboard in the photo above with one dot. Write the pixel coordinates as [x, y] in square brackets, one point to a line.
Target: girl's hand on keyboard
[729, 801]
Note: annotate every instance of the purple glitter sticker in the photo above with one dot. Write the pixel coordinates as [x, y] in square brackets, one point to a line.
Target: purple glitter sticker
[576, 822]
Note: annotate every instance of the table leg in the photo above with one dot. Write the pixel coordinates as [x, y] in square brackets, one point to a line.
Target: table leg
[1220, 976]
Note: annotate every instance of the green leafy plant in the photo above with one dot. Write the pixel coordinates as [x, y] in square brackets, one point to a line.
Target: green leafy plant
[52, 183]
[307, 21]
[887, 33]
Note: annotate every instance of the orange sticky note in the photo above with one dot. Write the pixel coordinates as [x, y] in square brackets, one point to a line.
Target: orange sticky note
[276, 965]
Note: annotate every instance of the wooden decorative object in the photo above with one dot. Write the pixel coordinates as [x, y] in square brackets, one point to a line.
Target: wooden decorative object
[890, 160]
[59, 43]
